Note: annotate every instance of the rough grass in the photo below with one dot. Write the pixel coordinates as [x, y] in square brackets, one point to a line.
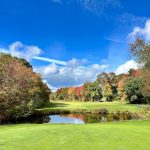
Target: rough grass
[110, 106]
[130, 135]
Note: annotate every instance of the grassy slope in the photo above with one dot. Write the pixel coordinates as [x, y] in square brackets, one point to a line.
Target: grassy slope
[131, 135]
[111, 106]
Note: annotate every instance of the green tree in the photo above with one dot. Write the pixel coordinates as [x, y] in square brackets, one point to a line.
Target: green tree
[95, 91]
[108, 81]
[24, 62]
[107, 92]
[140, 49]
[92, 91]
[133, 88]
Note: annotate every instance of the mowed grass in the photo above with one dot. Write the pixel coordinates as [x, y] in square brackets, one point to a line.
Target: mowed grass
[130, 135]
[111, 106]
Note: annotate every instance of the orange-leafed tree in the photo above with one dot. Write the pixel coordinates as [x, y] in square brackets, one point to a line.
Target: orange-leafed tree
[21, 90]
[121, 88]
[72, 93]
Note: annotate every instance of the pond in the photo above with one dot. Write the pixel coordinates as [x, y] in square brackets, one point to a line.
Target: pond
[77, 118]
[67, 119]
[89, 118]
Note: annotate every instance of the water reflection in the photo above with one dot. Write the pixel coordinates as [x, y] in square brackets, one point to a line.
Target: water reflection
[94, 118]
[77, 118]
[59, 119]
[90, 118]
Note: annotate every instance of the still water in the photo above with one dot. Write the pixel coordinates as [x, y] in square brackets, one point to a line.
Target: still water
[78, 118]
[59, 119]
[87, 118]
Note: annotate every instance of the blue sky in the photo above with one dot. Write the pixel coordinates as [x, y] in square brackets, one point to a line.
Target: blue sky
[70, 41]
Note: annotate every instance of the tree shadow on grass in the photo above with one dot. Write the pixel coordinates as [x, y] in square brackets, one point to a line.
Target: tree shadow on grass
[57, 104]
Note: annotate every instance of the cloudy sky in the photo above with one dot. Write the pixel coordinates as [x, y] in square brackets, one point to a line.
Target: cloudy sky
[71, 41]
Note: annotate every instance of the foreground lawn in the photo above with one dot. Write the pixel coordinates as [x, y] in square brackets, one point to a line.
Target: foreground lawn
[131, 135]
[111, 106]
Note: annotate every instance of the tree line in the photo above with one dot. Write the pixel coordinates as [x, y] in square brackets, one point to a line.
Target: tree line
[107, 87]
[133, 87]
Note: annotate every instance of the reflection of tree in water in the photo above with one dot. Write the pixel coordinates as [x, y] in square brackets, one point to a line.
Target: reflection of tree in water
[95, 118]
[40, 119]
[32, 119]
[86, 117]
[76, 116]
[92, 118]
[118, 116]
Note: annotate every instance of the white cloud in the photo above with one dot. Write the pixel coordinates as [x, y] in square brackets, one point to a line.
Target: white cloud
[98, 7]
[130, 19]
[70, 75]
[75, 62]
[104, 8]
[115, 40]
[50, 60]
[50, 69]
[3, 50]
[144, 32]
[28, 52]
[60, 73]
[54, 89]
[124, 68]
[20, 50]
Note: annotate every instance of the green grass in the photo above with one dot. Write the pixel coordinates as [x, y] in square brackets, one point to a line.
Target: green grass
[110, 106]
[130, 135]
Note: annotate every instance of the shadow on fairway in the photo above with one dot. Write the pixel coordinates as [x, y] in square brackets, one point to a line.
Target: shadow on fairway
[58, 105]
